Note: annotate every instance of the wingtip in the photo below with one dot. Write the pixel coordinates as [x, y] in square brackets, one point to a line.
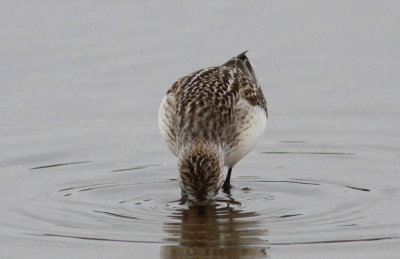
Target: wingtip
[242, 62]
[242, 55]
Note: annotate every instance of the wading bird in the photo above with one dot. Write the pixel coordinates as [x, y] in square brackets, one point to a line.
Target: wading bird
[210, 119]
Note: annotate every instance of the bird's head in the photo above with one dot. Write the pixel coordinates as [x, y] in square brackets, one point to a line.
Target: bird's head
[200, 171]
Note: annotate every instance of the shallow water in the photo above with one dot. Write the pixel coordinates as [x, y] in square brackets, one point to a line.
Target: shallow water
[84, 172]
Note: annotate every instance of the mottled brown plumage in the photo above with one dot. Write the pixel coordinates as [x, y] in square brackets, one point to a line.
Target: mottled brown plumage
[214, 116]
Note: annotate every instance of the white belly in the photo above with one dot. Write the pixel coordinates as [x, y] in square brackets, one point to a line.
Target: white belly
[251, 123]
[167, 123]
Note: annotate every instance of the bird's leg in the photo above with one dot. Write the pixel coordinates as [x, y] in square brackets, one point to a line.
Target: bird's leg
[227, 184]
[183, 198]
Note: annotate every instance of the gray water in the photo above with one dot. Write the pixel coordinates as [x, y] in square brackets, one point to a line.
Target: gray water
[84, 172]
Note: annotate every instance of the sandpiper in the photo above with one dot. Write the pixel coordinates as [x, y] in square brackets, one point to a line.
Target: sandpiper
[210, 119]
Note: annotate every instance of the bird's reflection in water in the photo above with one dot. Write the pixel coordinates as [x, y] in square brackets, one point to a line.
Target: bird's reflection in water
[215, 231]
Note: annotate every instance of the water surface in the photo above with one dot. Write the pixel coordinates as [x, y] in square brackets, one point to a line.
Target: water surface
[84, 172]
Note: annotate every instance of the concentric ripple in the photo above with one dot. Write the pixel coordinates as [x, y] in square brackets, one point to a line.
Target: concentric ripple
[144, 207]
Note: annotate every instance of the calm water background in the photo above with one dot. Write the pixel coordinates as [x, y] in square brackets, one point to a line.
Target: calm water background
[84, 172]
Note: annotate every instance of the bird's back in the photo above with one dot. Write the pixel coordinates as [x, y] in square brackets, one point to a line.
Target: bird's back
[208, 104]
